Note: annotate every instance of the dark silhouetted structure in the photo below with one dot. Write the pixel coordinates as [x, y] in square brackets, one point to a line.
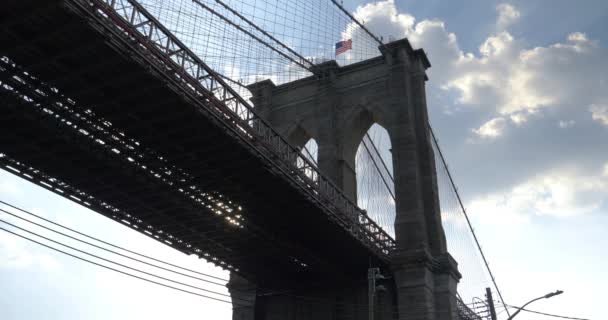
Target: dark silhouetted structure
[104, 106]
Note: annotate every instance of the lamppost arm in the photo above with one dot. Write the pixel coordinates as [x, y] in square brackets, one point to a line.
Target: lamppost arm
[519, 309]
[547, 296]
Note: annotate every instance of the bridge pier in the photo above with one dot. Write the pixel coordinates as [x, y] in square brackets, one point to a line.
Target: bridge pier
[426, 287]
[333, 301]
[244, 294]
[416, 292]
[336, 107]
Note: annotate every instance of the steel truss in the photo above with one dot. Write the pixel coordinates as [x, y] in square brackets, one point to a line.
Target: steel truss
[464, 312]
[73, 119]
[164, 51]
[128, 25]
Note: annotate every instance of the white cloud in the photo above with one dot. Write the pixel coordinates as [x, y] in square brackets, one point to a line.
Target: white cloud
[577, 37]
[564, 124]
[491, 129]
[507, 15]
[519, 118]
[599, 113]
[511, 79]
[559, 193]
[384, 17]
[505, 77]
[495, 208]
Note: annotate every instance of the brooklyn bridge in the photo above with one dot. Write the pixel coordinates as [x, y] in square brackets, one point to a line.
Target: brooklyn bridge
[235, 131]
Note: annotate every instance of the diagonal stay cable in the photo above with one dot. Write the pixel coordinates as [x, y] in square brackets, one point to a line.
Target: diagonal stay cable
[107, 243]
[357, 22]
[378, 169]
[252, 35]
[380, 156]
[264, 32]
[485, 261]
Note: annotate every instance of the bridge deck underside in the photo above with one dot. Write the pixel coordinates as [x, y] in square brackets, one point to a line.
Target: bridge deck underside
[285, 235]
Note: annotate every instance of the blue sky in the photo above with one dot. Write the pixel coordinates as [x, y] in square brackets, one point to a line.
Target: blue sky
[518, 96]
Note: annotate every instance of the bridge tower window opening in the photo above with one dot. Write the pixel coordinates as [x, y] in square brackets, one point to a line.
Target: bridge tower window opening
[374, 172]
[310, 152]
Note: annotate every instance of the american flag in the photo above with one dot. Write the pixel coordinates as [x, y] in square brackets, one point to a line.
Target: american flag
[344, 46]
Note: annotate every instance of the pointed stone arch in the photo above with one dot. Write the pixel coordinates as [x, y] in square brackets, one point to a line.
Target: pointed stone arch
[374, 172]
[357, 123]
[311, 150]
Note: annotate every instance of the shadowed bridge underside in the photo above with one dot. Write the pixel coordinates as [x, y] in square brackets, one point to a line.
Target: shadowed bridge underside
[87, 114]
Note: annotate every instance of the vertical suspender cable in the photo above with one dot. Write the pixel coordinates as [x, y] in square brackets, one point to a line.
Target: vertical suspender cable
[485, 261]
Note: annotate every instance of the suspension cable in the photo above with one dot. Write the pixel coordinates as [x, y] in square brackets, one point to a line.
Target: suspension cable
[485, 261]
[378, 169]
[357, 22]
[265, 33]
[380, 156]
[252, 35]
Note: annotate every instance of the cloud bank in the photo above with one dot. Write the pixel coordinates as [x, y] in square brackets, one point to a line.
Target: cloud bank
[515, 96]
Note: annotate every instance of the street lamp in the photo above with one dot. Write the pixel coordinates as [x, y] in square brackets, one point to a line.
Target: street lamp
[547, 296]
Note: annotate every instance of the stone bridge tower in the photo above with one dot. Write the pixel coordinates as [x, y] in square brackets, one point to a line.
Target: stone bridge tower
[336, 107]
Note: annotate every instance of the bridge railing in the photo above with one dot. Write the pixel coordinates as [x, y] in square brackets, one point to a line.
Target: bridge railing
[465, 313]
[155, 46]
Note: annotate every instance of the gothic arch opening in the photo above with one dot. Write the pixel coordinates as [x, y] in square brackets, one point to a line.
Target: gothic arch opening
[374, 171]
[310, 151]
